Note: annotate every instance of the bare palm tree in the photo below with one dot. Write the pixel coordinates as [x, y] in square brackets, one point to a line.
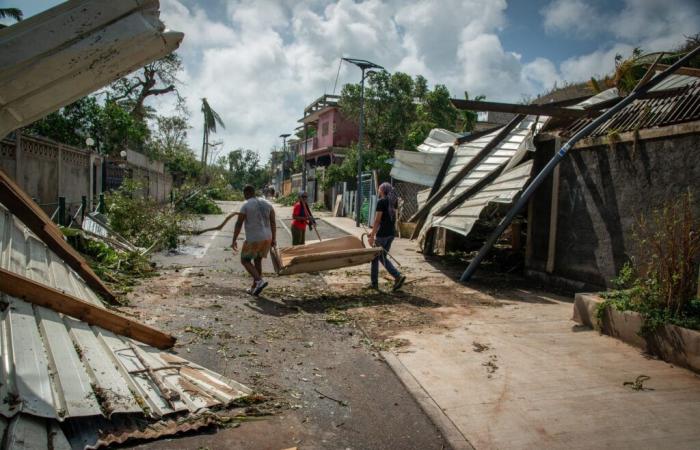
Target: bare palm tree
[211, 118]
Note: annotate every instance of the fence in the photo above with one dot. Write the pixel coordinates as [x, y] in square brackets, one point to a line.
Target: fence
[408, 195]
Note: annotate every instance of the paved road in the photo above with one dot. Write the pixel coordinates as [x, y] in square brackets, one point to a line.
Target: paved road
[326, 387]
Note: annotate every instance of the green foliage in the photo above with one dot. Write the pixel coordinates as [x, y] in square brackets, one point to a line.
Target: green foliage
[243, 167]
[399, 110]
[119, 269]
[141, 220]
[194, 199]
[661, 281]
[347, 170]
[288, 200]
[219, 189]
[112, 128]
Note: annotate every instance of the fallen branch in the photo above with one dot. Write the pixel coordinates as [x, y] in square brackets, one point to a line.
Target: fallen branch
[340, 402]
[216, 228]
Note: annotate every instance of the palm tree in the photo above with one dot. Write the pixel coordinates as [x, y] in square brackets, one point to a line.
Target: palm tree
[211, 118]
[12, 13]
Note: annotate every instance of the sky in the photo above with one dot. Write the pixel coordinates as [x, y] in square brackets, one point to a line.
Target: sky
[259, 62]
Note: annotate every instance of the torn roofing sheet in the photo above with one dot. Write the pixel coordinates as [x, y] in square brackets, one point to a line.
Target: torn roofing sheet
[438, 141]
[55, 367]
[509, 151]
[416, 167]
[73, 49]
[502, 190]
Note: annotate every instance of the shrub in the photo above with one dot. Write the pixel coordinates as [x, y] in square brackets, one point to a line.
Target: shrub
[195, 199]
[661, 281]
[141, 220]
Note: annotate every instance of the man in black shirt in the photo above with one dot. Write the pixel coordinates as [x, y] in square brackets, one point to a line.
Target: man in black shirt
[382, 235]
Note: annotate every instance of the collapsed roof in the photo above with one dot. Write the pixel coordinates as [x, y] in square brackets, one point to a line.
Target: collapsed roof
[66, 382]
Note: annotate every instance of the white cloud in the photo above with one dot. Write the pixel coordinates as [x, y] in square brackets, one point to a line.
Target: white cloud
[260, 62]
[572, 17]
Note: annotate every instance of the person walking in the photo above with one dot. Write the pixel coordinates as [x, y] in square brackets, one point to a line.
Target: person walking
[300, 219]
[258, 215]
[382, 235]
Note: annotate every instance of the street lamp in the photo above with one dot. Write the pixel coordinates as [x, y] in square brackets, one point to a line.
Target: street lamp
[284, 153]
[363, 65]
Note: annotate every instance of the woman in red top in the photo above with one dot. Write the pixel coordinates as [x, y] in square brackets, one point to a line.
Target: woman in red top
[300, 219]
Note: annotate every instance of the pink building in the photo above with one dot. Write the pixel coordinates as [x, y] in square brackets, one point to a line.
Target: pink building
[334, 132]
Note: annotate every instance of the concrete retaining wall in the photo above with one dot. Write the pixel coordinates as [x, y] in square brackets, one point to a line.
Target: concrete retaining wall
[603, 191]
[671, 343]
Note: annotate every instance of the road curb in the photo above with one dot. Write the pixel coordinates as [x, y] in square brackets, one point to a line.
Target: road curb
[337, 227]
[448, 429]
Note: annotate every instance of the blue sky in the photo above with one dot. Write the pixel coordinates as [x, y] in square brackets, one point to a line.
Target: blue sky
[259, 62]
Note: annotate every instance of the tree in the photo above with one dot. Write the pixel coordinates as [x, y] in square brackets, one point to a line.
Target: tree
[399, 111]
[243, 168]
[156, 78]
[467, 118]
[12, 13]
[211, 118]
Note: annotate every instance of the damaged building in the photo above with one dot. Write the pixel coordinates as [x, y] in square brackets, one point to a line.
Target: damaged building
[579, 227]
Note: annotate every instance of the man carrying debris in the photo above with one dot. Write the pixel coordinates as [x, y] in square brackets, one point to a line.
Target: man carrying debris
[260, 234]
[382, 235]
[300, 219]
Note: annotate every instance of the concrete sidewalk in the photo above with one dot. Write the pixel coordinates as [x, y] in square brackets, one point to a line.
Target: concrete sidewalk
[516, 373]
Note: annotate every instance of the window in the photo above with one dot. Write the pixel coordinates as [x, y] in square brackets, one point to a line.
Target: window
[324, 129]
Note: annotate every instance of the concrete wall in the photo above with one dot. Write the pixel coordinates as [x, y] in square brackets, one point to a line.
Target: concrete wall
[602, 194]
[47, 170]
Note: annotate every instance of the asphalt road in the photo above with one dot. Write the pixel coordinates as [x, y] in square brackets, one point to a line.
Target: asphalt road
[325, 386]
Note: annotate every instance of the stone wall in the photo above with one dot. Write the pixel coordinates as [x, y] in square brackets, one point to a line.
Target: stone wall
[603, 191]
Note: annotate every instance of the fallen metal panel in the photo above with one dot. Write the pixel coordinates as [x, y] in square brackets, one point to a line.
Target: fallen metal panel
[60, 368]
[515, 144]
[69, 51]
[416, 167]
[502, 190]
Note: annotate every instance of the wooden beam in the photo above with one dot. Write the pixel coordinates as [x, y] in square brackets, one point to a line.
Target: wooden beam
[553, 216]
[464, 171]
[24, 208]
[443, 171]
[540, 110]
[29, 290]
[690, 71]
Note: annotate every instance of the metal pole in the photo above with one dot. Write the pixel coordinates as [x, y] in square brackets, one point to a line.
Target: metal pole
[303, 171]
[61, 211]
[527, 193]
[358, 195]
[83, 207]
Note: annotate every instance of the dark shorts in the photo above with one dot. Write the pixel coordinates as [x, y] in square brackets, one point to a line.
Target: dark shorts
[298, 236]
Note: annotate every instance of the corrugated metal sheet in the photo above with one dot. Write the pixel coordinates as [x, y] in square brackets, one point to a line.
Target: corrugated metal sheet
[73, 49]
[438, 141]
[516, 144]
[678, 106]
[416, 167]
[55, 367]
[502, 190]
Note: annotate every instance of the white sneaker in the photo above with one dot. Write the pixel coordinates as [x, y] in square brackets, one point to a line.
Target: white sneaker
[259, 286]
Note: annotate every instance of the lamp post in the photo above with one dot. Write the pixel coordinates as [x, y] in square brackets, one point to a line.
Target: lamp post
[303, 172]
[364, 65]
[284, 137]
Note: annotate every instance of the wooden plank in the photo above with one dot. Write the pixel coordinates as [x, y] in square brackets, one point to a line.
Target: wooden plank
[39, 294]
[24, 208]
[338, 204]
[553, 217]
[540, 110]
[443, 171]
[464, 171]
[690, 71]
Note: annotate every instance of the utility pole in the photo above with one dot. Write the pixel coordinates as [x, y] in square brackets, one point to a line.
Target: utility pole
[363, 65]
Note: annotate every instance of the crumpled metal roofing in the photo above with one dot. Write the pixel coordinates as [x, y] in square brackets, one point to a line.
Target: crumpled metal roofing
[416, 167]
[54, 58]
[55, 367]
[438, 141]
[502, 190]
[510, 150]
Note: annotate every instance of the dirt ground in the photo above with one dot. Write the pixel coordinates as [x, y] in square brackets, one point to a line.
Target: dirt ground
[308, 346]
